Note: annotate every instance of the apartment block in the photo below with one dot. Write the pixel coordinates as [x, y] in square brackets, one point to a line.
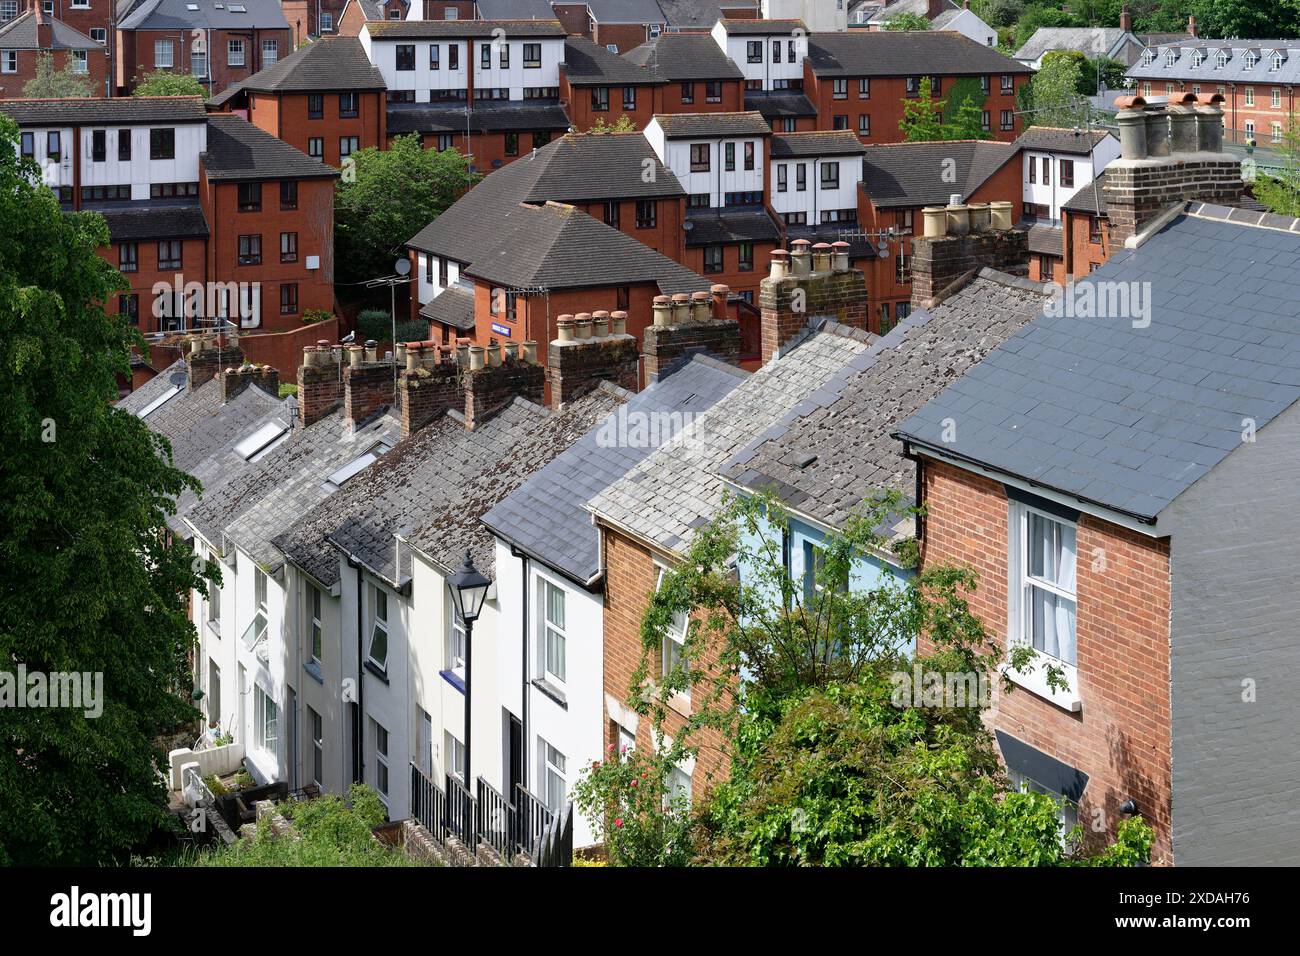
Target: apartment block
[26, 37]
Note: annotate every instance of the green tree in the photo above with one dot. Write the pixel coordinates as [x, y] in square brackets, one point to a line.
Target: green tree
[906, 21]
[963, 115]
[1244, 18]
[999, 13]
[385, 197]
[163, 83]
[624, 124]
[1279, 189]
[922, 116]
[829, 765]
[92, 582]
[1098, 70]
[49, 82]
[1052, 95]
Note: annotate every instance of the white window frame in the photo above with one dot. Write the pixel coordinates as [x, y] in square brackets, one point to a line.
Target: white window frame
[378, 599]
[266, 721]
[1248, 96]
[316, 727]
[326, 22]
[235, 55]
[455, 765]
[1067, 814]
[1277, 98]
[270, 53]
[99, 34]
[383, 779]
[9, 61]
[675, 634]
[456, 640]
[11, 6]
[198, 65]
[553, 773]
[1018, 588]
[315, 627]
[552, 651]
[159, 48]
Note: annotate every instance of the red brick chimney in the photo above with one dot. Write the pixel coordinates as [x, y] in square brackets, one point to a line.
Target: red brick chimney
[428, 383]
[591, 348]
[495, 375]
[1125, 19]
[320, 381]
[44, 32]
[1191, 25]
[367, 384]
[796, 290]
[683, 326]
[235, 379]
[205, 359]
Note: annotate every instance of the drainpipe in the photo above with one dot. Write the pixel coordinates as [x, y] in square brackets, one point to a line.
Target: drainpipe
[523, 681]
[358, 732]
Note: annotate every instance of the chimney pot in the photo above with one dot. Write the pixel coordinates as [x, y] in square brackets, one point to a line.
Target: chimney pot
[600, 323]
[1183, 134]
[981, 216]
[475, 357]
[309, 355]
[1125, 19]
[493, 353]
[719, 294]
[840, 255]
[413, 357]
[701, 306]
[530, 351]
[958, 219]
[1209, 127]
[1000, 214]
[372, 350]
[564, 325]
[780, 265]
[355, 354]
[663, 311]
[800, 257]
[582, 325]
[821, 257]
[1132, 121]
[681, 308]
[618, 322]
[936, 221]
[1157, 127]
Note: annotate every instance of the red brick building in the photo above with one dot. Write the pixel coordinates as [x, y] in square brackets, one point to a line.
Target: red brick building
[353, 15]
[219, 43]
[30, 35]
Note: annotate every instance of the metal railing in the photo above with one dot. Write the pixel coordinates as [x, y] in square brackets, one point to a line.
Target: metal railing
[428, 804]
[462, 813]
[496, 819]
[533, 816]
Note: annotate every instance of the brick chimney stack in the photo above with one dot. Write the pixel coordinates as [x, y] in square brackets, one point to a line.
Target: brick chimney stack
[935, 7]
[44, 31]
[1125, 19]
[205, 359]
[686, 325]
[796, 291]
[498, 374]
[320, 381]
[428, 384]
[590, 349]
[1191, 25]
[237, 378]
[959, 239]
[1168, 156]
[367, 384]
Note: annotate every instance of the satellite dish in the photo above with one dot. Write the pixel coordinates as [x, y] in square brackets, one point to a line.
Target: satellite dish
[883, 250]
[402, 266]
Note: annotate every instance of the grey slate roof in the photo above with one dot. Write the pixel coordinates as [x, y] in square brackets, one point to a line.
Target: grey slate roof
[827, 143]
[515, 10]
[763, 27]
[1090, 197]
[625, 11]
[544, 517]
[20, 33]
[856, 456]
[118, 111]
[454, 306]
[676, 57]
[920, 7]
[1129, 418]
[1046, 239]
[582, 167]
[173, 376]
[153, 221]
[1091, 41]
[432, 488]
[912, 174]
[707, 227]
[1051, 139]
[436, 29]
[774, 104]
[328, 64]
[712, 125]
[677, 489]
[917, 53]
[261, 502]
[486, 116]
[699, 13]
[1234, 71]
[238, 150]
[590, 64]
[216, 14]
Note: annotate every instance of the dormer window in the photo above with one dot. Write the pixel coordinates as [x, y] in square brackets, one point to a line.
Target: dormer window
[1171, 56]
[1148, 57]
[1197, 57]
[1221, 59]
[1251, 59]
[1275, 62]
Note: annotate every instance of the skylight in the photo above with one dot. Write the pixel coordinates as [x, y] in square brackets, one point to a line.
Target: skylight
[357, 465]
[158, 402]
[261, 441]
[192, 6]
[238, 8]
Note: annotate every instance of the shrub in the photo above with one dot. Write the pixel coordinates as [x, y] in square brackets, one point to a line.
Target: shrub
[378, 325]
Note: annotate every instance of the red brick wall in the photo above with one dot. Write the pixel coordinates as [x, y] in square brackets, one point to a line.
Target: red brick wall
[731, 274]
[194, 268]
[285, 116]
[573, 17]
[733, 99]
[11, 84]
[576, 101]
[313, 221]
[885, 104]
[1121, 736]
[629, 583]
[436, 9]
[81, 19]
[1081, 253]
[626, 36]
[1236, 112]
[666, 238]
[137, 54]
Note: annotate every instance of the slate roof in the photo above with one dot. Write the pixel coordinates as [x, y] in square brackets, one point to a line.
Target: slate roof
[699, 13]
[774, 104]
[453, 306]
[712, 125]
[625, 11]
[919, 7]
[908, 53]
[1046, 239]
[173, 376]
[676, 57]
[828, 143]
[263, 501]
[1090, 197]
[238, 150]
[515, 10]
[590, 64]
[216, 14]
[433, 487]
[707, 228]
[435, 29]
[1092, 41]
[335, 63]
[1129, 418]
[677, 489]
[762, 27]
[21, 33]
[854, 455]
[1051, 139]
[912, 174]
[153, 221]
[585, 167]
[544, 517]
[486, 116]
[118, 111]
[1234, 71]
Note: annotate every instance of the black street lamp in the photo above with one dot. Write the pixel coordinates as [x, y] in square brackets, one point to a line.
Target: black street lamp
[468, 592]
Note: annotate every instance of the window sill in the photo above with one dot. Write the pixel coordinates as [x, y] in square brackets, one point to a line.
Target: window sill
[681, 703]
[551, 691]
[454, 679]
[377, 670]
[1036, 683]
[313, 669]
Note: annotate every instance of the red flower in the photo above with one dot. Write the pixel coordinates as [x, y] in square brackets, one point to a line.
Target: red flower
[619, 823]
[634, 783]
